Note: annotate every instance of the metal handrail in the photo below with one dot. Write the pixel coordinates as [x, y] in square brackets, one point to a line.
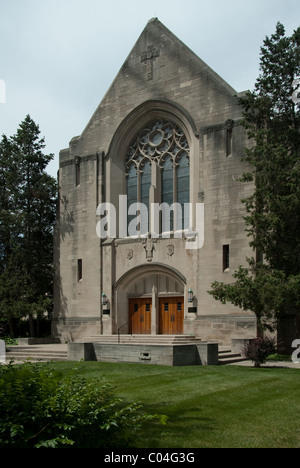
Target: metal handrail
[130, 321]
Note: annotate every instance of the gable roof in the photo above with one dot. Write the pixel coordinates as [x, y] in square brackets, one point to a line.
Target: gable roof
[160, 67]
[155, 32]
[155, 23]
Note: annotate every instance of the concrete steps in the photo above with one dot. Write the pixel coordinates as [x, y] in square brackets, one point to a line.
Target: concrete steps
[59, 352]
[226, 356]
[38, 353]
[142, 339]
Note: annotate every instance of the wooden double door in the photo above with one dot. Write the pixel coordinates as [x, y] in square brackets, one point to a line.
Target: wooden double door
[140, 316]
[170, 316]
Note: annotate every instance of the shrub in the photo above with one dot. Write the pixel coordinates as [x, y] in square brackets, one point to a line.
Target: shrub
[10, 341]
[39, 408]
[259, 349]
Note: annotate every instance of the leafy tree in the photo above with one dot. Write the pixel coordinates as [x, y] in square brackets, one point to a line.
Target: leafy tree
[270, 286]
[28, 196]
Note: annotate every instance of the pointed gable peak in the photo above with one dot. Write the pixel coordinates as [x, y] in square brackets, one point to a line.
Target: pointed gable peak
[160, 67]
[157, 37]
[152, 20]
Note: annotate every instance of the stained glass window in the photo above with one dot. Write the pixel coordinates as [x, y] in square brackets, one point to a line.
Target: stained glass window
[145, 196]
[165, 145]
[132, 189]
[183, 189]
[167, 193]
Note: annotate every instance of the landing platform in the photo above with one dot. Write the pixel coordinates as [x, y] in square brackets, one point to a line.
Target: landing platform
[165, 350]
[142, 339]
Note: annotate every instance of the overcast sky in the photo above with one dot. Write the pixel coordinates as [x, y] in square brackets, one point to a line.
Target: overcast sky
[59, 57]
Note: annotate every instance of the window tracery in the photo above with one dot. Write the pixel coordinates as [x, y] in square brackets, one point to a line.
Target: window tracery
[164, 144]
[155, 142]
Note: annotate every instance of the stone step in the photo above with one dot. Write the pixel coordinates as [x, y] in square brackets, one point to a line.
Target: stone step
[141, 339]
[226, 356]
[37, 353]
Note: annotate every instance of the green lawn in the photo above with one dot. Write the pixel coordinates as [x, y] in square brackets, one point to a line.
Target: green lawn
[219, 407]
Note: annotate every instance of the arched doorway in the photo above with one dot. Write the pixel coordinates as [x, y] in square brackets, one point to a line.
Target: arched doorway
[155, 299]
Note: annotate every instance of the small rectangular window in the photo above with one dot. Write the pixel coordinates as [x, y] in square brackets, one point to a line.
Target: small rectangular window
[179, 306]
[77, 174]
[228, 142]
[147, 307]
[79, 270]
[226, 257]
[166, 306]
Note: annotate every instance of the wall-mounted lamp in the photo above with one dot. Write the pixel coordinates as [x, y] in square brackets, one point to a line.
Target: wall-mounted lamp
[104, 299]
[190, 296]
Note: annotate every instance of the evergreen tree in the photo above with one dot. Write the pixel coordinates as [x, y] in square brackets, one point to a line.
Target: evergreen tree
[271, 285]
[26, 228]
[10, 278]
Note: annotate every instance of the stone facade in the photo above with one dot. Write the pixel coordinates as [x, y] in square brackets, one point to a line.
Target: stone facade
[161, 81]
[200, 354]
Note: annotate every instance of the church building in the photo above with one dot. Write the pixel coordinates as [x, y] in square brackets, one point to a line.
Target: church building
[150, 211]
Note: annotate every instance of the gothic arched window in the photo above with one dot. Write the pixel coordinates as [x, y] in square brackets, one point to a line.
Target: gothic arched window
[182, 188]
[162, 145]
[132, 188]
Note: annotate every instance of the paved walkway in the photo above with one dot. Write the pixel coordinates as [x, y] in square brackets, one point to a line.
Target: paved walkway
[269, 365]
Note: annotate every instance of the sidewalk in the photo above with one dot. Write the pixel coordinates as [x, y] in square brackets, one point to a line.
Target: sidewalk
[269, 364]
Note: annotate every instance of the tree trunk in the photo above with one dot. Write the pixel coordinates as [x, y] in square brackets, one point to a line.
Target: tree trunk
[38, 328]
[31, 326]
[12, 328]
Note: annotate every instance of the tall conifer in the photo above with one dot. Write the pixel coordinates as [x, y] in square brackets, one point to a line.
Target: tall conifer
[27, 216]
[270, 287]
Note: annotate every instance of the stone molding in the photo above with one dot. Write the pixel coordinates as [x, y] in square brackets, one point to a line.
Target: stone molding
[79, 159]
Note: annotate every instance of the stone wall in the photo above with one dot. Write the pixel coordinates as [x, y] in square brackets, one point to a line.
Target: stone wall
[223, 328]
[164, 355]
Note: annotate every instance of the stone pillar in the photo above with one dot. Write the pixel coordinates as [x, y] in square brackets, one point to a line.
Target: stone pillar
[208, 354]
[109, 321]
[154, 312]
[238, 344]
[81, 352]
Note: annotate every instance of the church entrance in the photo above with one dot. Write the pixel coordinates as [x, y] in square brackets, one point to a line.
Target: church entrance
[151, 301]
[140, 316]
[171, 315]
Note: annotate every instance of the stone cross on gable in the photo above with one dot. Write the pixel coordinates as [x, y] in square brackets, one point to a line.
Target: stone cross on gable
[149, 57]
